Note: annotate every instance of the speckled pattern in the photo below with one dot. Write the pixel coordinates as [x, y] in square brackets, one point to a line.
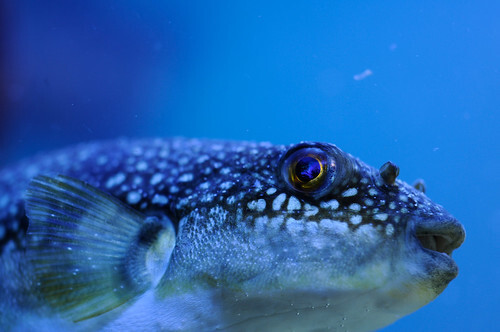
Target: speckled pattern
[352, 249]
[175, 176]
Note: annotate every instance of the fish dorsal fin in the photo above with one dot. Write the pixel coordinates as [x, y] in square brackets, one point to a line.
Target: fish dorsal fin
[90, 252]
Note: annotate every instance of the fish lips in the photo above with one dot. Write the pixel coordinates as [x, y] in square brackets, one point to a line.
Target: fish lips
[433, 240]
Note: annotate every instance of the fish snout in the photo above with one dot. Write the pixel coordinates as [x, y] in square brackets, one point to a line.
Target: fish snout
[433, 241]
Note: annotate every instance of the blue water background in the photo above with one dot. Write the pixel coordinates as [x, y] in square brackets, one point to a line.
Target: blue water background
[73, 71]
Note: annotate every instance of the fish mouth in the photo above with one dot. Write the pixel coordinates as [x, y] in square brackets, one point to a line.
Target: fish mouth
[443, 242]
[438, 238]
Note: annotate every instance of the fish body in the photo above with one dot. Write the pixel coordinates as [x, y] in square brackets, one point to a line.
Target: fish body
[185, 234]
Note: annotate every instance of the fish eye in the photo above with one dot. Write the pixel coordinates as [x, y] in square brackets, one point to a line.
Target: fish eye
[308, 170]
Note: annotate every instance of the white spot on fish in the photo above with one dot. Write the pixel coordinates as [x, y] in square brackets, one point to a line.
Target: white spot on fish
[356, 219]
[159, 199]
[270, 191]
[372, 192]
[355, 207]
[226, 185]
[201, 159]
[252, 205]
[141, 166]
[137, 180]
[225, 171]
[230, 200]
[293, 204]
[257, 185]
[133, 197]
[368, 202]
[174, 189]
[310, 210]
[332, 205]
[278, 201]
[350, 192]
[182, 202]
[380, 216]
[115, 180]
[163, 153]
[217, 147]
[392, 205]
[156, 178]
[204, 185]
[187, 177]
[259, 205]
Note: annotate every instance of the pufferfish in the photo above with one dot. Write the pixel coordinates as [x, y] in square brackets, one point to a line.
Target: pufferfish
[204, 235]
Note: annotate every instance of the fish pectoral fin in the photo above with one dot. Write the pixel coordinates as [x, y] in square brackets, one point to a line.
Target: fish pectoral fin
[90, 252]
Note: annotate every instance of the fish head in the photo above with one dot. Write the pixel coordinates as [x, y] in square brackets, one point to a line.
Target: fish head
[322, 241]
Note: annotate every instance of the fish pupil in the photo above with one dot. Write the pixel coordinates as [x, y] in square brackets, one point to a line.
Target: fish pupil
[307, 169]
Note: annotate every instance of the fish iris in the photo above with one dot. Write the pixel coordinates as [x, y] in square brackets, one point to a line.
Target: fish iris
[307, 169]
